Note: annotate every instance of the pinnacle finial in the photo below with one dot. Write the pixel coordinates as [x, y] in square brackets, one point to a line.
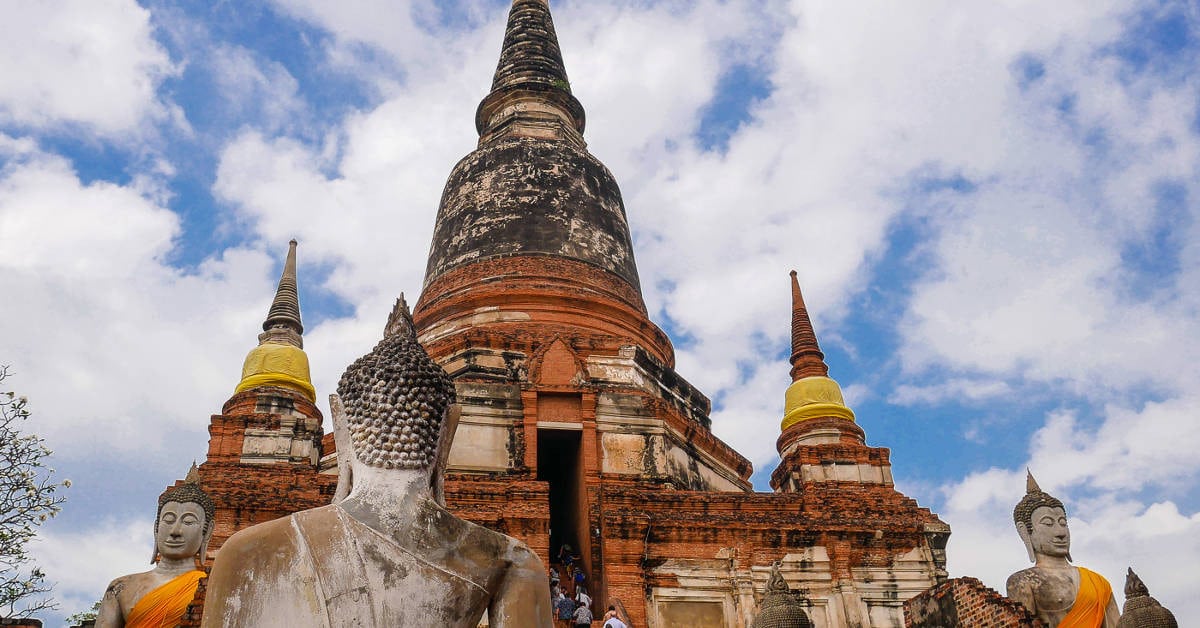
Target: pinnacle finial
[285, 309]
[193, 475]
[1031, 485]
[807, 359]
[1141, 610]
[1134, 587]
[530, 91]
[400, 320]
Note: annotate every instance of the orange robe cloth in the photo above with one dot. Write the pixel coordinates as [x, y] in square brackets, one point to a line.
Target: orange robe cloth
[164, 607]
[1090, 602]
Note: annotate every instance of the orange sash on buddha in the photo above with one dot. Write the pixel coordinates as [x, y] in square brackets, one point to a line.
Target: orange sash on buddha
[1090, 602]
[164, 607]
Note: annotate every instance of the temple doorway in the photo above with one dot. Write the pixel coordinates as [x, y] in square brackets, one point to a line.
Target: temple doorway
[558, 464]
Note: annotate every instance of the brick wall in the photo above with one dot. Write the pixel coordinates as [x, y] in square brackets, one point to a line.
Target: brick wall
[966, 602]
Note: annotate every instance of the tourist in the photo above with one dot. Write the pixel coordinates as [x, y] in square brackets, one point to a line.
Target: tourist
[582, 598]
[611, 620]
[579, 578]
[564, 610]
[583, 616]
[565, 555]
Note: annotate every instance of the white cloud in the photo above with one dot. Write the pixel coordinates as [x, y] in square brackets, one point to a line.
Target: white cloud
[90, 62]
[959, 389]
[253, 85]
[82, 562]
[1151, 447]
[110, 333]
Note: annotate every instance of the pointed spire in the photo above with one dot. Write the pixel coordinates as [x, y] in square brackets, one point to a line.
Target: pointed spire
[1031, 485]
[530, 95]
[285, 309]
[530, 53]
[807, 359]
[812, 394]
[279, 358]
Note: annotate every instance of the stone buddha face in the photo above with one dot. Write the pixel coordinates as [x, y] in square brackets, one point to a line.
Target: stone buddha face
[179, 532]
[1048, 533]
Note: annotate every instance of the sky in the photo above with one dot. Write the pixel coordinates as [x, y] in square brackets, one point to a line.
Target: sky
[991, 206]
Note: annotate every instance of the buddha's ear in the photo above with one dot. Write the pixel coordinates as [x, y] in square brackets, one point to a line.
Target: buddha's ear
[1026, 538]
[445, 440]
[154, 545]
[345, 449]
[202, 555]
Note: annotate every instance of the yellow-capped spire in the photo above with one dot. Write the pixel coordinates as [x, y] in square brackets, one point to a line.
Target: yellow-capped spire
[279, 358]
[813, 394]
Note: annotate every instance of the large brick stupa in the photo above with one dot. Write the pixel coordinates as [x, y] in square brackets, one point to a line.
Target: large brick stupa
[576, 429]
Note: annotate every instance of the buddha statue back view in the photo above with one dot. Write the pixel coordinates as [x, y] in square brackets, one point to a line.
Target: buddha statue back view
[386, 553]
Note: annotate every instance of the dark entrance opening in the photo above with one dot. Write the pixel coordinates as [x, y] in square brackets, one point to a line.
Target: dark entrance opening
[559, 465]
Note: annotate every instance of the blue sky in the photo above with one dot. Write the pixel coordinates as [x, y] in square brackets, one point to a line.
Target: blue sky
[991, 209]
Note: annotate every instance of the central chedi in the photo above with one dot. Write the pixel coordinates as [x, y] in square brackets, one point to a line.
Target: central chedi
[534, 214]
[575, 434]
[532, 303]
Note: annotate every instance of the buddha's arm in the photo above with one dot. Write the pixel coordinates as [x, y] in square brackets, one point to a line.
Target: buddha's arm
[523, 597]
[110, 615]
[1020, 588]
[1112, 614]
[245, 581]
[224, 582]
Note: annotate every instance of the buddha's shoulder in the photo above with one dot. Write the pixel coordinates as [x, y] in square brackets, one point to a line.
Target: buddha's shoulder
[1025, 579]
[478, 545]
[269, 537]
[138, 580]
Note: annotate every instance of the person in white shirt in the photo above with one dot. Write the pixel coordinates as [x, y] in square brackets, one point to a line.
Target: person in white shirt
[582, 598]
[611, 620]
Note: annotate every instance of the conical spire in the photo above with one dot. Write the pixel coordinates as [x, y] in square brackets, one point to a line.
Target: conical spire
[285, 309]
[807, 359]
[279, 358]
[530, 95]
[812, 394]
[530, 53]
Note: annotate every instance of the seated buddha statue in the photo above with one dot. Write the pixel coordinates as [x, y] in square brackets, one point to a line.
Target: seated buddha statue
[158, 598]
[386, 553]
[1057, 592]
